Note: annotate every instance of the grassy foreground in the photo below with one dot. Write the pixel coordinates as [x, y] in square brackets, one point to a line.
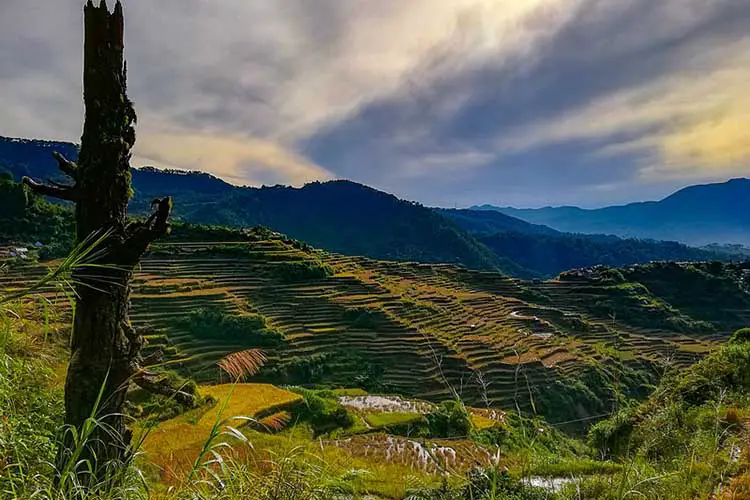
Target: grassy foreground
[688, 440]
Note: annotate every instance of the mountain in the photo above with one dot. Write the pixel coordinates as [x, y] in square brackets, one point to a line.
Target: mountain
[349, 218]
[696, 215]
[550, 255]
[338, 216]
[490, 222]
[549, 252]
[417, 330]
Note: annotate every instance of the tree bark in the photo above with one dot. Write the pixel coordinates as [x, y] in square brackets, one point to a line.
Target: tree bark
[105, 348]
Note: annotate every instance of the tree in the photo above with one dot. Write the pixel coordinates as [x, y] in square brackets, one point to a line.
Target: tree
[105, 348]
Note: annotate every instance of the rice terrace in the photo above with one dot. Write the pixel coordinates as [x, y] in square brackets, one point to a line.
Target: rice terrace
[392, 250]
[419, 329]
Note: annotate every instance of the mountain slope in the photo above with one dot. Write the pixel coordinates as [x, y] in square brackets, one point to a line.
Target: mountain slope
[338, 216]
[342, 321]
[490, 222]
[697, 215]
[350, 218]
[549, 252]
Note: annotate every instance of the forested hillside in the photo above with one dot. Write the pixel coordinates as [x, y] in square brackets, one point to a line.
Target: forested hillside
[339, 216]
[548, 252]
[350, 218]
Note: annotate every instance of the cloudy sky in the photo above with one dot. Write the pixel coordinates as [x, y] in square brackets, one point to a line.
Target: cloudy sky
[447, 102]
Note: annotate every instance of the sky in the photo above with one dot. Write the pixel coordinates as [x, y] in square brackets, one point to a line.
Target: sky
[446, 102]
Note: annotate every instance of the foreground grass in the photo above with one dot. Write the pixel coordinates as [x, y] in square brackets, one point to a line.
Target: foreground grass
[688, 441]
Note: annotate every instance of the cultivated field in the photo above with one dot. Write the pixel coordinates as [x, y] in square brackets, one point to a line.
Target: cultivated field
[415, 329]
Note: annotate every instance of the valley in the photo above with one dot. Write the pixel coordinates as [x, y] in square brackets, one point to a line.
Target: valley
[252, 288]
[426, 329]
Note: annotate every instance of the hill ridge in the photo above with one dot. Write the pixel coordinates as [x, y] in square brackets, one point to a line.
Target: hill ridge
[701, 214]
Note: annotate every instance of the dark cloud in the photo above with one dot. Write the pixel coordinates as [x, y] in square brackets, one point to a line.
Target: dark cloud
[600, 51]
[464, 100]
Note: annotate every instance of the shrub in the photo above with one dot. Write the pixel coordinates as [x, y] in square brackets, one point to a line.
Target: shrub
[362, 317]
[450, 419]
[250, 328]
[306, 270]
[740, 336]
[496, 483]
[302, 370]
[324, 414]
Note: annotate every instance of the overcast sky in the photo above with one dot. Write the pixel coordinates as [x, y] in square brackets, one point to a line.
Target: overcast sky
[446, 102]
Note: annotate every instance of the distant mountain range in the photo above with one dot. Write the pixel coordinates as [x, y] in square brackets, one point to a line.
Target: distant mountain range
[349, 218]
[696, 215]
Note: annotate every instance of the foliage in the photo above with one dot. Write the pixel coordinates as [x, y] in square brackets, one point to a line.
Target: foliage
[549, 255]
[740, 336]
[157, 407]
[362, 317]
[449, 419]
[708, 291]
[492, 483]
[252, 329]
[633, 303]
[321, 410]
[30, 405]
[26, 218]
[301, 271]
[301, 369]
[688, 407]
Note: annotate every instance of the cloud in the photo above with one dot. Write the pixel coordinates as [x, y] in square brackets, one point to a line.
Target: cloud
[641, 92]
[456, 101]
[238, 160]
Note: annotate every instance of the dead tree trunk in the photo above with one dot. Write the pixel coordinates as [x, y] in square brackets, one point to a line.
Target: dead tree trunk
[104, 348]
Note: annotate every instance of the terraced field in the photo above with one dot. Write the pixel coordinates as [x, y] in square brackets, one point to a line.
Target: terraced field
[419, 329]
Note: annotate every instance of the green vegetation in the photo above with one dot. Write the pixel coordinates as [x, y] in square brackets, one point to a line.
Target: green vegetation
[321, 411]
[394, 420]
[142, 404]
[306, 270]
[549, 255]
[252, 329]
[363, 317]
[26, 218]
[687, 433]
[680, 443]
[30, 402]
[450, 419]
[709, 291]
[587, 344]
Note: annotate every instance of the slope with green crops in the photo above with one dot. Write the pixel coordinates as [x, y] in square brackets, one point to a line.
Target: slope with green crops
[567, 348]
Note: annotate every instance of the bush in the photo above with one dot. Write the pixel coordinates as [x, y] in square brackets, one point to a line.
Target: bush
[740, 336]
[306, 270]
[450, 419]
[362, 317]
[322, 411]
[302, 370]
[495, 483]
[250, 328]
[31, 412]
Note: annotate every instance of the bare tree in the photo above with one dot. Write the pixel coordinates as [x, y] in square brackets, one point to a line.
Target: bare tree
[105, 348]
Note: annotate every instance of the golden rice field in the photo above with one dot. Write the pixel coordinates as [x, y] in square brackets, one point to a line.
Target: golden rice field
[173, 445]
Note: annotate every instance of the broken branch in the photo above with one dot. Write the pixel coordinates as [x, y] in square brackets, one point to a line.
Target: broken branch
[62, 193]
[66, 166]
